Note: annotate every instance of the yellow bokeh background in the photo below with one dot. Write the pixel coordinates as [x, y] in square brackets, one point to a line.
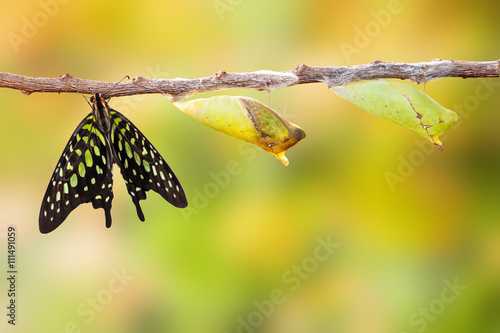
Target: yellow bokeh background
[406, 219]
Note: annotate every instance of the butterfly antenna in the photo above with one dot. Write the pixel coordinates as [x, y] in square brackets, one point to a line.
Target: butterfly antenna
[85, 96]
[110, 94]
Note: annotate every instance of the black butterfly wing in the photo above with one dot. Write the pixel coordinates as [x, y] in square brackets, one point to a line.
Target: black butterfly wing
[83, 174]
[142, 167]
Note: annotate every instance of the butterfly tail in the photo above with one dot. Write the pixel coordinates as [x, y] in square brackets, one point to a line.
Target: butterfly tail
[104, 197]
[137, 194]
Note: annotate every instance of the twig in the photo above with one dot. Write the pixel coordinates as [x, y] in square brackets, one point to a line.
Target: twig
[178, 89]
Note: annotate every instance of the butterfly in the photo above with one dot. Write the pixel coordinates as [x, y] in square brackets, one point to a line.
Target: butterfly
[84, 172]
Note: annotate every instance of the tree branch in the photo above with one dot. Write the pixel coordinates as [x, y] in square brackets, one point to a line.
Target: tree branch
[178, 89]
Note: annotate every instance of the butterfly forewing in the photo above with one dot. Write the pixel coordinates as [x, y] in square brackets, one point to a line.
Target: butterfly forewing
[142, 167]
[79, 177]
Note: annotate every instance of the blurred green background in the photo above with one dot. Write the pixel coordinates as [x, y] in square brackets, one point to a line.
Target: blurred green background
[246, 256]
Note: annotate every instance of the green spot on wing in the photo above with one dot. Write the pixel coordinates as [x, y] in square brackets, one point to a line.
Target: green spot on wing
[88, 158]
[81, 169]
[128, 150]
[137, 158]
[100, 136]
[146, 166]
[73, 180]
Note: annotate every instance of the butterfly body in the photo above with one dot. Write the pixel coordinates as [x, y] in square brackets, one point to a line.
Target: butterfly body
[102, 113]
[84, 172]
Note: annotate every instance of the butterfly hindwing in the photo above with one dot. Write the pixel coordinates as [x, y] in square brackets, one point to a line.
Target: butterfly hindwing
[142, 167]
[83, 174]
